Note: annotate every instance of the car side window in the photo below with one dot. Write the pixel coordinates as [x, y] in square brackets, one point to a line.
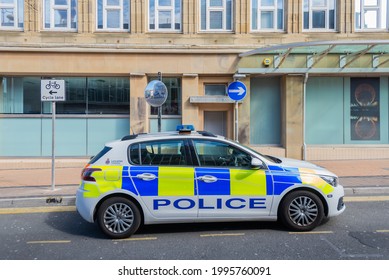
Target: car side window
[219, 154]
[161, 153]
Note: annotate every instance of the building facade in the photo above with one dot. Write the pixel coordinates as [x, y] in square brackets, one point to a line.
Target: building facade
[316, 73]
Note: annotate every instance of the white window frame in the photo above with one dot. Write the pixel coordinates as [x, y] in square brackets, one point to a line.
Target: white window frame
[382, 15]
[223, 9]
[106, 8]
[171, 9]
[53, 9]
[326, 8]
[274, 9]
[15, 6]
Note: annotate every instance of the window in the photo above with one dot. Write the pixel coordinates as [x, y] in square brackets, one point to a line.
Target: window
[172, 106]
[267, 15]
[319, 15]
[60, 14]
[216, 15]
[165, 152]
[113, 15]
[165, 15]
[11, 14]
[95, 95]
[219, 154]
[371, 14]
[215, 89]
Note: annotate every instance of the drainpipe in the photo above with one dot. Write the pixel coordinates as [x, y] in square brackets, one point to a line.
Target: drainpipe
[304, 113]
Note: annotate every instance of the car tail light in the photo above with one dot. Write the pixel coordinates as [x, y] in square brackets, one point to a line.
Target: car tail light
[87, 172]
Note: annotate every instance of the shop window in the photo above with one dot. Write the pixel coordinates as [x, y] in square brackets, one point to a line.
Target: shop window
[165, 15]
[216, 15]
[11, 14]
[172, 106]
[113, 15]
[319, 15]
[267, 15]
[371, 14]
[95, 95]
[60, 14]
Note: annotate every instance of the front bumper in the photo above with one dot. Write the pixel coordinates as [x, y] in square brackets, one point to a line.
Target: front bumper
[335, 201]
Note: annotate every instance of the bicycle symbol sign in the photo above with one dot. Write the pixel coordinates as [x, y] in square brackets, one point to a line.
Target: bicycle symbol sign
[52, 90]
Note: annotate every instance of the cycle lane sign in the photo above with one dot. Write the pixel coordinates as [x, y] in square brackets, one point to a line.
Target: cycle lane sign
[53, 90]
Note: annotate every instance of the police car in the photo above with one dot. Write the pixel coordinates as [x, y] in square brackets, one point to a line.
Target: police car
[195, 176]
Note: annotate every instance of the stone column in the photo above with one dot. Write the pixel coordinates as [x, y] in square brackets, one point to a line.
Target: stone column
[139, 114]
[292, 118]
[190, 112]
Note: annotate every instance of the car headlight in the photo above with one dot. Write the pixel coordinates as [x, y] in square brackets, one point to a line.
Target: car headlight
[333, 181]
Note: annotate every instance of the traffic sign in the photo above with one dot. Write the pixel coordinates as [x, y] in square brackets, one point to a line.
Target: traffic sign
[53, 90]
[237, 90]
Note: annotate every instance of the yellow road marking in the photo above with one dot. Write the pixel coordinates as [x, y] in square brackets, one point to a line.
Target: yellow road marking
[49, 242]
[382, 230]
[365, 198]
[28, 210]
[136, 239]
[312, 232]
[221, 234]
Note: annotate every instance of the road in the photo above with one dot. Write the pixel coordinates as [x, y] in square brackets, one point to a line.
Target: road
[361, 232]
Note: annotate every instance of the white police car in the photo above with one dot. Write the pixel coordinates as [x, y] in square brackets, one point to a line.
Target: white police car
[189, 176]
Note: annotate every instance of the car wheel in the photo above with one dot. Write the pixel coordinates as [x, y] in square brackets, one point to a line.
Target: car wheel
[118, 217]
[301, 211]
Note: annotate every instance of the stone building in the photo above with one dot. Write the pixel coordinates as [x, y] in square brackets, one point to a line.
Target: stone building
[316, 73]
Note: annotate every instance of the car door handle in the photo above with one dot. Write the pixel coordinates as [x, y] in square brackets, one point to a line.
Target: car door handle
[146, 176]
[207, 178]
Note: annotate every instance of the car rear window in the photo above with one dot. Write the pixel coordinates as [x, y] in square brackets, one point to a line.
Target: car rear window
[100, 154]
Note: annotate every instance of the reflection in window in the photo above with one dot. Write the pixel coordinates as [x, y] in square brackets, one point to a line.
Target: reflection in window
[167, 152]
[319, 14]
[371, 14]
[216, 15]
[165, 15]
[100, 95]
[172, 106]
[11, 14]
[60, 14]
[113, 15]
[267, 14]
[219, 154]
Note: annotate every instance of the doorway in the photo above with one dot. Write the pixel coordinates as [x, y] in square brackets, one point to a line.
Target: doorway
[216, 122]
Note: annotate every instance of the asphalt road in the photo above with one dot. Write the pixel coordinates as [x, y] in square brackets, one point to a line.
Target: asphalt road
[361, 232]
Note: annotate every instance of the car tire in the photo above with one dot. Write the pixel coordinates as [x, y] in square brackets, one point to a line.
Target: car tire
[301, 211]
[118, 217]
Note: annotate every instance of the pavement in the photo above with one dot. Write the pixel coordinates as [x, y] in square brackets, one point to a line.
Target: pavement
[26, 182]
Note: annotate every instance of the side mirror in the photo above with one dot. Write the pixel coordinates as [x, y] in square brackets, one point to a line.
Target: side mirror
[256, 163]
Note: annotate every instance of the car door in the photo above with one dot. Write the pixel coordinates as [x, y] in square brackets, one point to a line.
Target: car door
[164, 178]
[227, 185]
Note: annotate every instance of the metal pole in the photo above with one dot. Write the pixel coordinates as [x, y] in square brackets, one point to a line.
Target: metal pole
[159, 118]
[160, 107]
[304, 115]
[53, 146]
[236, 122]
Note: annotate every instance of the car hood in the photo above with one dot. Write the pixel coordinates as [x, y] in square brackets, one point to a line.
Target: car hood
[304, 166]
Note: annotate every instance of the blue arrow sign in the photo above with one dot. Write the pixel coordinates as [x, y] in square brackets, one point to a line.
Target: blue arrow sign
[237, 90]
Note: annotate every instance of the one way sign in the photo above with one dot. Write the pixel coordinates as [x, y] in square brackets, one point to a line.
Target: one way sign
[237, 90]
[53, 90]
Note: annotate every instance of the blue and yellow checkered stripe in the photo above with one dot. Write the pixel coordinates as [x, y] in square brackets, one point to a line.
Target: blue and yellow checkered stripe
[235, 182]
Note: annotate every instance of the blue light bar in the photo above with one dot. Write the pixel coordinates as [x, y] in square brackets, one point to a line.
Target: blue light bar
[185, 127]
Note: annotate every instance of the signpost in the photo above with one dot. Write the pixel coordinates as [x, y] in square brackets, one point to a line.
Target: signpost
[53, 90]
[237, 92]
